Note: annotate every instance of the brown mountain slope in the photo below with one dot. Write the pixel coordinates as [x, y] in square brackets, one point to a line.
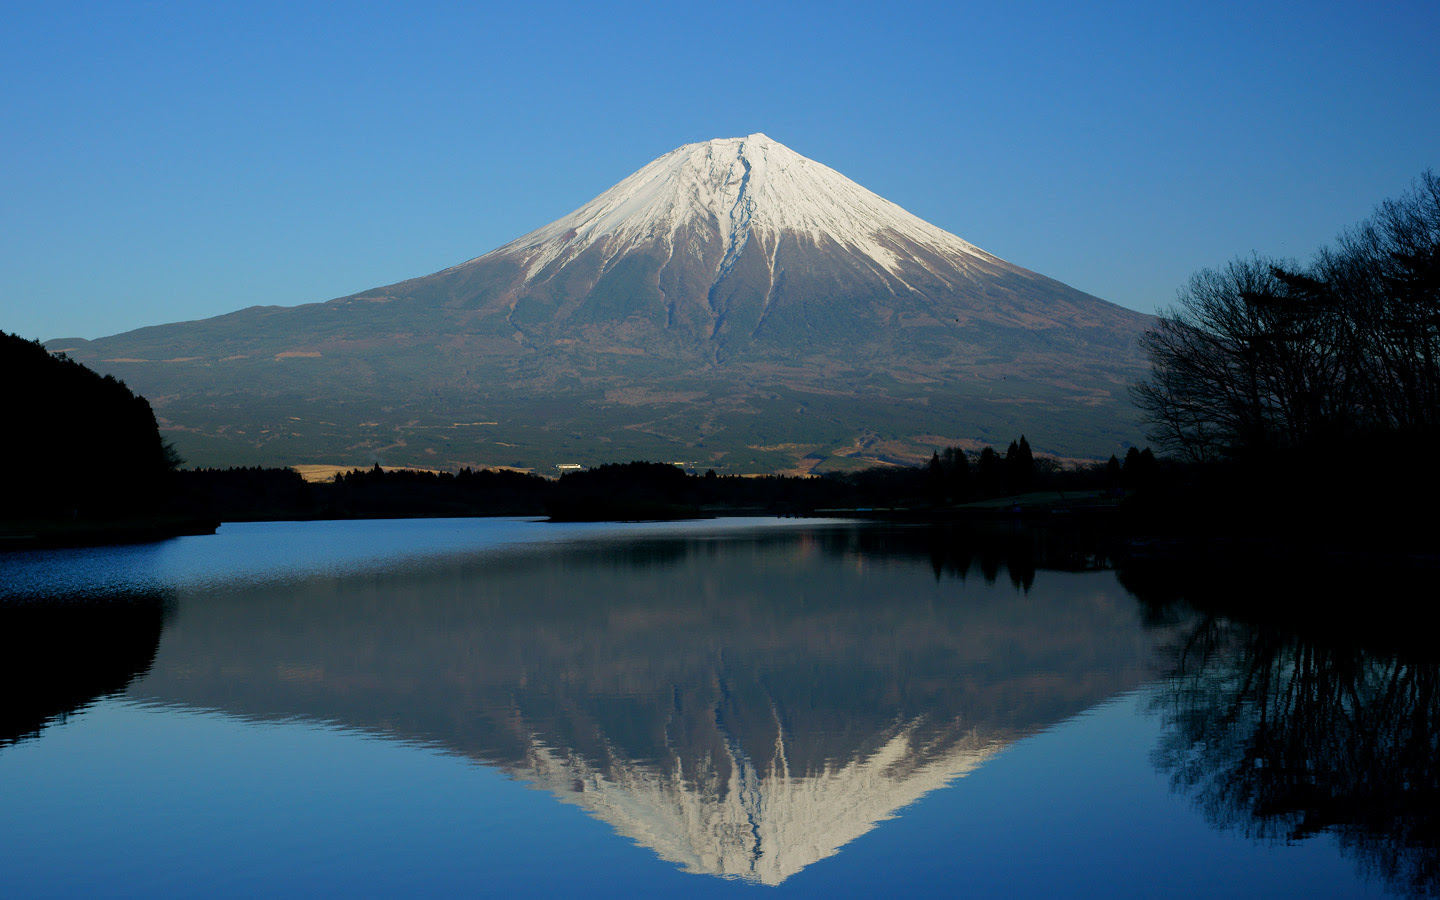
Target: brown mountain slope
[732, 304]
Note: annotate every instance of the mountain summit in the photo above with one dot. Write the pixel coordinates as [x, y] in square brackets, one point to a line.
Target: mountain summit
[731, 243]
[717, 201]
[732, 303]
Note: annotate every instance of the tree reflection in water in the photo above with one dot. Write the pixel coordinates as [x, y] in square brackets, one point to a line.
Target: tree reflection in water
[1281, 737]
[58, 655]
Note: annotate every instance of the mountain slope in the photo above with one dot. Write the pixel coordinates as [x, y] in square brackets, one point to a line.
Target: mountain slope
[732, 303]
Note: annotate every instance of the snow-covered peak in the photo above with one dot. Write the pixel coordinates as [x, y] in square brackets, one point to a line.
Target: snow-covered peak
[736, 189]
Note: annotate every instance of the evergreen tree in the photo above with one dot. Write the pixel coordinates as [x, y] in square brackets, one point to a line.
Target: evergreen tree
[989, 473]
[1112, 474]
[1019, 467]
[957, 473]
[84, 442]
[937, 480]
[1139, 469]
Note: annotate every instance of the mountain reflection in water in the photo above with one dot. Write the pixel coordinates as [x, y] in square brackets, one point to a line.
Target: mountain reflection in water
[742, 698]
[744, 705]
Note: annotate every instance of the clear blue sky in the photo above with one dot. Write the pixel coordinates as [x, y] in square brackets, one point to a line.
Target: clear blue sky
[172, 161]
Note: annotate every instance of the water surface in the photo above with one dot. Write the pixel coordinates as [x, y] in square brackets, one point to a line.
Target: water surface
[514, 708]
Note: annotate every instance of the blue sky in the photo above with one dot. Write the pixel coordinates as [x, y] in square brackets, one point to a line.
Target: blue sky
[171, 161]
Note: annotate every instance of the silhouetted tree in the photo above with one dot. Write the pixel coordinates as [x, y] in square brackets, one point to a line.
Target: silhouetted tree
[1262, 356]
[1139, 468]
[1227, 364]
[989, 473]
[937, 481]
[1019, 467]
[1386, 274]
[957, 473]
[76, 442]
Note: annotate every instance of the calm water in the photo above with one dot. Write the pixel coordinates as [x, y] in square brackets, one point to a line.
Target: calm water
[512, 708]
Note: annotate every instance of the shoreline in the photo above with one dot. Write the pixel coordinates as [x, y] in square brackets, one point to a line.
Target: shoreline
[47, 534]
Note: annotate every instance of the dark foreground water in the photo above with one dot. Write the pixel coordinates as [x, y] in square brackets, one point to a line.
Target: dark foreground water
[759, 707]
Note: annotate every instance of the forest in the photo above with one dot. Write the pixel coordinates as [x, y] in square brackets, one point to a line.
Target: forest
[1264, 356]
[82, 460]
[76, 442]
[641, 490]
[1305, 399]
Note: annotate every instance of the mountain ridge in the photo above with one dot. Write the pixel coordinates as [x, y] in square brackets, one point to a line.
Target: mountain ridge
[697, 308]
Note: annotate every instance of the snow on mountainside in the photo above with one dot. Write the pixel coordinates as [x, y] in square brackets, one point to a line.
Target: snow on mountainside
[732, 302]
[741, 248]
[750, 187]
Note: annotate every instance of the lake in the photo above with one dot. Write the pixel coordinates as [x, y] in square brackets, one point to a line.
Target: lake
[751, 707]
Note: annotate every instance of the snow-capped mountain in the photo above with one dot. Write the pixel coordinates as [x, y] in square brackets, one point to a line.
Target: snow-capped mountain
[712, 199]
[741, 247]
[728, 299]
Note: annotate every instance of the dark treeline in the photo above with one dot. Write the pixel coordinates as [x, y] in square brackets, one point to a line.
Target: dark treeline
[82, 460]
[251, 494]
[77, 444]
[650, 490]
[956, 477]
[637, 490]
[1307, 399]
[1265, 356]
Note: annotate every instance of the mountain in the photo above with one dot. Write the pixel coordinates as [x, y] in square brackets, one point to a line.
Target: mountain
[731, 304]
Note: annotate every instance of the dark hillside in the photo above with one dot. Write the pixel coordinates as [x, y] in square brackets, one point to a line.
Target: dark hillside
[76, 443]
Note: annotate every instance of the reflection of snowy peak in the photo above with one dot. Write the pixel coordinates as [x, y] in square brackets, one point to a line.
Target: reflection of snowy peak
[764, 822]
[743, 703]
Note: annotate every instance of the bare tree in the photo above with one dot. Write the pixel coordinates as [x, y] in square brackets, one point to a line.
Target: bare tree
[1386, 272]
[1261, 355]
[1241, 361]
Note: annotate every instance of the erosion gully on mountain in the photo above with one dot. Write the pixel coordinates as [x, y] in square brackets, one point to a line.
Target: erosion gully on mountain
[732, 305]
